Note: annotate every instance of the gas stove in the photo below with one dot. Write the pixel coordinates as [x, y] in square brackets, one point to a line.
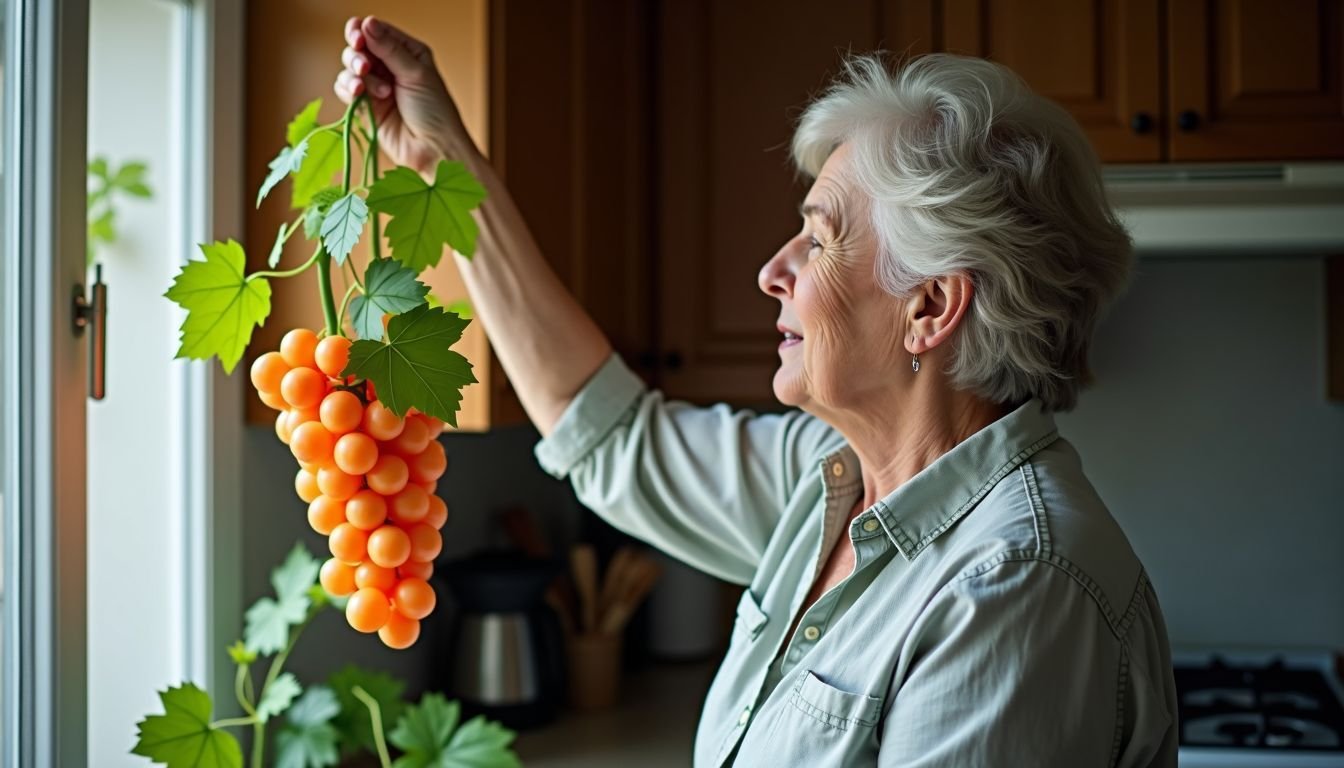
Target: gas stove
[1279, 710]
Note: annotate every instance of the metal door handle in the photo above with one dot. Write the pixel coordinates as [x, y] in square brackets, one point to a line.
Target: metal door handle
[93, 312]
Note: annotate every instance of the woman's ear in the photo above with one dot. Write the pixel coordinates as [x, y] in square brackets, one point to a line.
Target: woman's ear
[936, 309]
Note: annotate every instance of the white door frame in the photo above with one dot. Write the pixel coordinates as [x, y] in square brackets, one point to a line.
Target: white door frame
[46, 76]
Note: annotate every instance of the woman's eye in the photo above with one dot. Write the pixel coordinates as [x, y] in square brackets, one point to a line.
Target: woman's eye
[812, 244]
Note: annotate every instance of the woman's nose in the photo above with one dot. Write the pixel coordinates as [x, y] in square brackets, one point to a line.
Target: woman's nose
[776, 277]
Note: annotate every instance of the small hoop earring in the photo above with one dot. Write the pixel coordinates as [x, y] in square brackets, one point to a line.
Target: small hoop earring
[914, 361]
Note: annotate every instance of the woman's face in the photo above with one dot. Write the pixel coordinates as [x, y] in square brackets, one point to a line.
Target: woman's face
[841, 333]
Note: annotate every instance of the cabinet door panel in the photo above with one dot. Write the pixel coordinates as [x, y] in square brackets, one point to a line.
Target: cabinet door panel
[1097, 59]
[1261, 80]
[732, 80]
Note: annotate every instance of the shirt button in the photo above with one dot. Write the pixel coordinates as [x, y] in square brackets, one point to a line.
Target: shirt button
[837, 469]
[744, 717]
[811, 633]
[870, 525]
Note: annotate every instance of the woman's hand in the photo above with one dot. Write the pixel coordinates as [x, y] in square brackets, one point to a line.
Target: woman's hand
[418, 123]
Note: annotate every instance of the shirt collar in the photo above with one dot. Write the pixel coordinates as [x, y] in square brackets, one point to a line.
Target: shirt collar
[931, 502]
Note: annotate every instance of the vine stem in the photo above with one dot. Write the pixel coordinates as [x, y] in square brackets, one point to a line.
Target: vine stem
[373, 158]
[258, 725]
[286, 272]
[376, 716]
[323, 258]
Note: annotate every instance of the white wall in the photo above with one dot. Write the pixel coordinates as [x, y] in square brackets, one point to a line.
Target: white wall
[1209, 436]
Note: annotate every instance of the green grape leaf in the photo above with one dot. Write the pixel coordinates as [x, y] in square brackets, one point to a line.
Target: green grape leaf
[343, 225]
[268, 623]
[325, 159]
[416, 368]
[389, 288]
[104, 229]
[353, 721]
[429, 736]
[182, 736]
[295, 576]
[223, 307]
[98, 167]
[138, 189]
[309, 740]
[278, 696]
[278, 249]
[317, 209]
[303, 123]
[425, 217]
[129, 174]
[290, 160]
[240, 654]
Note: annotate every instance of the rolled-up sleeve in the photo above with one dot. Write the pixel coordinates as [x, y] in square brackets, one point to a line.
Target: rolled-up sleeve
[706, 485]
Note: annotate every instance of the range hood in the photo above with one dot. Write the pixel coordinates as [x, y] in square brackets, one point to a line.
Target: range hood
[1229, 210]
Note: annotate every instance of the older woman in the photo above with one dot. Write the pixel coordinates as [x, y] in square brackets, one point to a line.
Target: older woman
[931, 578]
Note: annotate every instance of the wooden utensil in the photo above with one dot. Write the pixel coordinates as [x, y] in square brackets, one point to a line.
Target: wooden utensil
[583, 565]
[641, 574]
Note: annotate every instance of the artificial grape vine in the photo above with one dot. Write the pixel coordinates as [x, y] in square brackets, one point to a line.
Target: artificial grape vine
[360, 403]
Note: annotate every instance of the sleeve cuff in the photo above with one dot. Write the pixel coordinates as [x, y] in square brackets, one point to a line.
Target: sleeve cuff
[590, 416]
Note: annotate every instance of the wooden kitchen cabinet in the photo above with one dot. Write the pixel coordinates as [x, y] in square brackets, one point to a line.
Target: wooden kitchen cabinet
[1255, 80]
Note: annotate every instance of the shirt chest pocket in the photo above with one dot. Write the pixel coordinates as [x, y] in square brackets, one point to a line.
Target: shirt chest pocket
[815, 724]
[832, 706]
[750, 618]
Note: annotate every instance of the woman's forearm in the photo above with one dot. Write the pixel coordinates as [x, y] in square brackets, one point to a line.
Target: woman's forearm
[546, 342]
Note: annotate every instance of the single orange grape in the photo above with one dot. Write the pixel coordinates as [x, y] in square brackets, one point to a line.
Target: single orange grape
[325, 514]
[311, 442]
[410, 505]
[297, 347]
[273, 400]
[337, 578]
[299, 416]
[337, 484]
[399, 632]
[267, 371]
[366, 510]
[430, 487]
[416, 569]
[438, 513]
[341, 411]
[367, 610]
[376, 576]
[355, 453]
[282, 426]
[348, 544]
[309, 466]
[413, 598]
[303, 388]
[428, 465]
[434, 423]
[332, 354]
[388, 475]
[389, 546]
[381, 423]
[413, 438]
[305, 484]
[426, 542]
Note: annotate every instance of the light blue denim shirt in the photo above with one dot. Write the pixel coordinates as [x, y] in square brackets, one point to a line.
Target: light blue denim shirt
[996, 614]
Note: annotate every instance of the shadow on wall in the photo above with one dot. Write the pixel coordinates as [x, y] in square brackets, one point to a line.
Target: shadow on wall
[485, 472]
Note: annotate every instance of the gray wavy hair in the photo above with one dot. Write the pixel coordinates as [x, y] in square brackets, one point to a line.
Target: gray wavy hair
[969, 170]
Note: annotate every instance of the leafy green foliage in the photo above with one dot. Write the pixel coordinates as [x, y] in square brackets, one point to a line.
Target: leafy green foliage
[240, 655]
[389, 288]
[343, 225]
[416, 368]
[426, 217]
[317, 210]
[308, 739]
[325, 154]
[278, 696]
[461, 308]
[278, 249]
[269, 620]
[353, 721]
[223, 306]
[429, 735]
[182, 736]
[303, 123]
[105, 185]
[290, 160]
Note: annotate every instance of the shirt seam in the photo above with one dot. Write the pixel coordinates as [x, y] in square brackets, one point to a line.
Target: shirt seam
[1121, 684]
[1043, 542]
[1065, 565]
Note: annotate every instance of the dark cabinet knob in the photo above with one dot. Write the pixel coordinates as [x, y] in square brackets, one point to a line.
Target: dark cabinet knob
[672, 361]
[1188, 120]
[1142, 122]
[646, 359]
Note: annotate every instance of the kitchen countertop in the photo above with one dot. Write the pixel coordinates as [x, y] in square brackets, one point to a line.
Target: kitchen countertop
[653, 726]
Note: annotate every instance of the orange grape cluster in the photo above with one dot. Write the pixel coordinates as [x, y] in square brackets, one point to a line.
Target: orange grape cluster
[368, 477]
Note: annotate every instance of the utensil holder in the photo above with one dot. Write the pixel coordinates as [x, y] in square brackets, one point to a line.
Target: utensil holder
[594, 670]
